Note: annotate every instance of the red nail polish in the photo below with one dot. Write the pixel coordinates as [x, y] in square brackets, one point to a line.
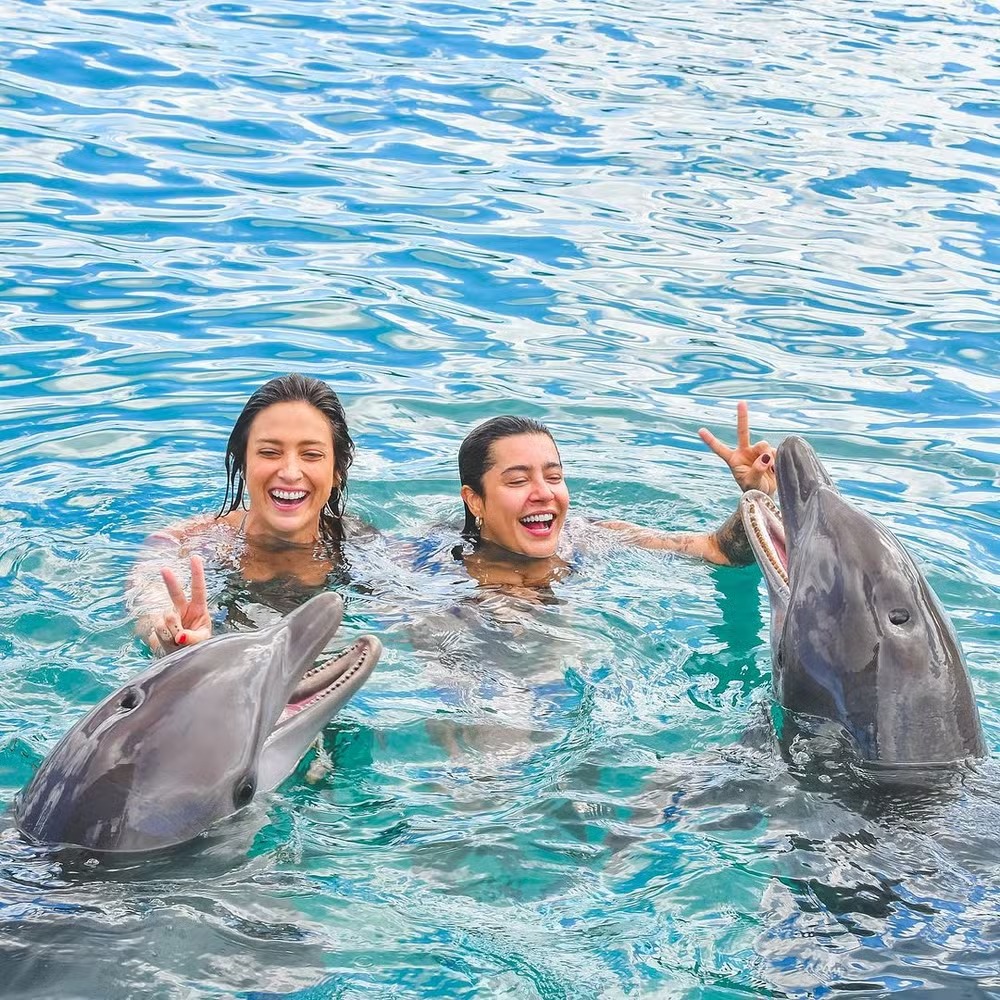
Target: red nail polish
[181, 639]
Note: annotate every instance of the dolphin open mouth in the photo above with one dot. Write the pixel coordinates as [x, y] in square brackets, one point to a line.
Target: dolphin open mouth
[338, 678]
[318, 695]
[766, 532]
[195, 737]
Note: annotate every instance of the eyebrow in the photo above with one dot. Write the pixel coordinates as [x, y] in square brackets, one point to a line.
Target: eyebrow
[279, 441]
[528, 468]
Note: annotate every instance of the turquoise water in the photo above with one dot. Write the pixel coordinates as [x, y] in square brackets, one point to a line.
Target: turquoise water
[619, 218]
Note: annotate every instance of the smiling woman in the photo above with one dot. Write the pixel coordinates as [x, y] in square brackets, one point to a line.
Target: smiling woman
[282, 516]
[513, 487]
[290, 450]
[516, 502]
[289, 472]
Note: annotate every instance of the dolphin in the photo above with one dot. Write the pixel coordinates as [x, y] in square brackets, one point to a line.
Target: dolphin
[857, 635]
[194, 738]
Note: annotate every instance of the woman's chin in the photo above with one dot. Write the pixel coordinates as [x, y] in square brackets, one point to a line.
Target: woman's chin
[541, 548]
[290, 529]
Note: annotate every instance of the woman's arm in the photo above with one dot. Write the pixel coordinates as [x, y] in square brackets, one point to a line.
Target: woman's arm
[752, 466]
[728, 546]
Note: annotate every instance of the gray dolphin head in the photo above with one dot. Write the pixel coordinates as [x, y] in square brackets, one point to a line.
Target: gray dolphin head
[857, 635]
[195, 737]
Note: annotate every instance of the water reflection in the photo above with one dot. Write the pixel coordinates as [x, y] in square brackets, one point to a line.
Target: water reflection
[616, 219]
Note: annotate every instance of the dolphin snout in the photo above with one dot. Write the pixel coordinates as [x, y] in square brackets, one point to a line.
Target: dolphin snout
[306, 631]
[800, 475]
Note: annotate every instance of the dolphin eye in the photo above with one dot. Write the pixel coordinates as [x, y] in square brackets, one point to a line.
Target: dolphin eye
[244, 792]
[129, 699]
[899, 616]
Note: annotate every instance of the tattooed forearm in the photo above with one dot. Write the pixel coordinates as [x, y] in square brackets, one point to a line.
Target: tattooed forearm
[688, 544]
[733, 543]
[699, 546]
[728, 546]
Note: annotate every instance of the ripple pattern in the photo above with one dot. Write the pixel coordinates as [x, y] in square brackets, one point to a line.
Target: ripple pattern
[618, 218]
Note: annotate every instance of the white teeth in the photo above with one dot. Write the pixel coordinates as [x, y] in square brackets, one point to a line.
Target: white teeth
[288, 494]
[537, 518]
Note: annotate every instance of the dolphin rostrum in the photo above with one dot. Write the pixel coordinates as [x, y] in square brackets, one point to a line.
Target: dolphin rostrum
[195, 737]
[857, 635]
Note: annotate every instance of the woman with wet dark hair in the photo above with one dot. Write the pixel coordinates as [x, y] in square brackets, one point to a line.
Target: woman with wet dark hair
[475, 458]
[293, 388]
[516, 503]
[282, 517]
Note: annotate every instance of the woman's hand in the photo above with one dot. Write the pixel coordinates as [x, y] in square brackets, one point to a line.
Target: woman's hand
[190, 621]
[752, 465]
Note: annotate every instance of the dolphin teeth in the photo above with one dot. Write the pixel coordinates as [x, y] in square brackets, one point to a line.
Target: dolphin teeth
[765, 537]
[294, 707]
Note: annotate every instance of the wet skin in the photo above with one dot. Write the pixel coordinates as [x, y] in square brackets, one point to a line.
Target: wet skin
[524, 500]
[857, 635]
[289, 472]
[196, 737]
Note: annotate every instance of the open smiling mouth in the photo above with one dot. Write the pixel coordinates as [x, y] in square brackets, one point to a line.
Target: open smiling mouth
[539, 524]
[287, 499]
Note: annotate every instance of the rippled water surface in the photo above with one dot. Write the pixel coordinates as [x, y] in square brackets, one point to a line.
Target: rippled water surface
[619, 218]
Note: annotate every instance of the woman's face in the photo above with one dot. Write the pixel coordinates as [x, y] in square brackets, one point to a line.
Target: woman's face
[289, 471]
[524, 501]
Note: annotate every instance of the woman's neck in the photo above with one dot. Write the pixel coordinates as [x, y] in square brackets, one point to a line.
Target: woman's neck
[491, 565]
[265, 556]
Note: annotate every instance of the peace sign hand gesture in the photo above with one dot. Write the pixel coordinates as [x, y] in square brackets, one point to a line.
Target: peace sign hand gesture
[190, 621]
[752, 465]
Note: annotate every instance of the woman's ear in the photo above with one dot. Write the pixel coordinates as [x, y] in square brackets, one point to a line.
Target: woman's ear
[473, 501]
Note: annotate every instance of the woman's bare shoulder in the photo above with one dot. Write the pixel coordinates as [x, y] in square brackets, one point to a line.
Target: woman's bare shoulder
[192, 530]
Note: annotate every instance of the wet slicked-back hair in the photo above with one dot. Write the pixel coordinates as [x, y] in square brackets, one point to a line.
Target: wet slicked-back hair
[293, 388]
[475, 456]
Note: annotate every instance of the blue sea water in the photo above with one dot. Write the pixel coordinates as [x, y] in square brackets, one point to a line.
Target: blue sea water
[619, 218]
